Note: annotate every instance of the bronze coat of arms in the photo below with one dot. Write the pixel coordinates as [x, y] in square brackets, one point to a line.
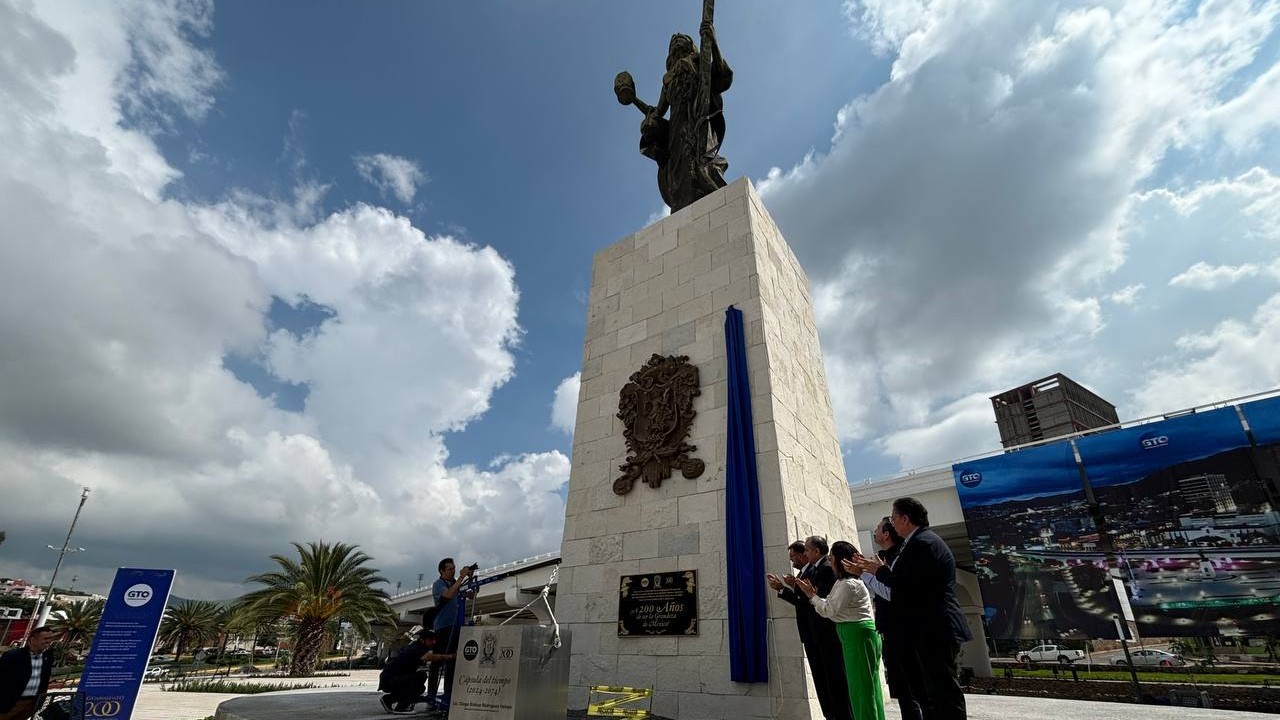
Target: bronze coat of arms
[656, 408]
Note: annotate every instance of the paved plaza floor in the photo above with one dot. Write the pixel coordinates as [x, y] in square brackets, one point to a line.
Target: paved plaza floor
[346, 704]
[156, 704]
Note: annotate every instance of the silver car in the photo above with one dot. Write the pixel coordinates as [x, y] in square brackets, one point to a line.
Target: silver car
[1152, 658]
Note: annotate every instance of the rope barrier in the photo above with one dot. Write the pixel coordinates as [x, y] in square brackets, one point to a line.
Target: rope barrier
[544, 596]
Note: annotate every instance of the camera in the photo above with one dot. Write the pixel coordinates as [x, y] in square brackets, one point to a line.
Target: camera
[473, 567]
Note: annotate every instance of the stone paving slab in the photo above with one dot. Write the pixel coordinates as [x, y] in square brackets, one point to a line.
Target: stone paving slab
[339, 704]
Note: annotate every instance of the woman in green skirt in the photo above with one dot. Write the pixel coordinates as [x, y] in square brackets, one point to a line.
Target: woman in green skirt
[848, 605]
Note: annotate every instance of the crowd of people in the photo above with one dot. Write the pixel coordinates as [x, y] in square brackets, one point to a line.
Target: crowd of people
[403, 680]
[896, 607]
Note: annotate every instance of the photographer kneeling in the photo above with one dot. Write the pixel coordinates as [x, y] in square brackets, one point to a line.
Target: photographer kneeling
[401, 679]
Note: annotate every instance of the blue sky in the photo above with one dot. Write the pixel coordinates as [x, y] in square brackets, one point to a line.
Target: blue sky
[509, 109]
[272, 270]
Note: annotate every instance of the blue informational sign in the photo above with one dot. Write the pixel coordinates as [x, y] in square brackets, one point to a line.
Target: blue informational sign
[1264, 419]
[122, 646]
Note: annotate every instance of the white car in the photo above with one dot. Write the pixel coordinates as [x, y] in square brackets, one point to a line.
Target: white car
[156, 672]
[1152, 657]
[1050, 653]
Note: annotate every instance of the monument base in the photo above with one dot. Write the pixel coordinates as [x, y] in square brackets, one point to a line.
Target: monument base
[664, 291]
[510, 672]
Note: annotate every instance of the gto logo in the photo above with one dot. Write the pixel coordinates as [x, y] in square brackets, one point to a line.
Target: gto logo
[138, 595]
[970, 478]
[1151, 441]
[470, 650]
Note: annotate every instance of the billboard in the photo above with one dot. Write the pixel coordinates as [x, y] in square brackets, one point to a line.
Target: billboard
[1035, 545]
[1185, 518]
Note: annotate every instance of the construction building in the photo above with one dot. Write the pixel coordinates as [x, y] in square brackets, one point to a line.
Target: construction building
[1048, 408]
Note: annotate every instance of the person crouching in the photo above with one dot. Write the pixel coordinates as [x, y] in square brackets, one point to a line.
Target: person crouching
[402, 680]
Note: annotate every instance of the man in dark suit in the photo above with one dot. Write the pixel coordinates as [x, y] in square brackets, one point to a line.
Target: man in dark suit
[818, 634]
[24, 676]
[890, 543]
[922, 583]
[795, 554]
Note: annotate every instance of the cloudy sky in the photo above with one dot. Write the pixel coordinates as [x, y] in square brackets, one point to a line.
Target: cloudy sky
[269, 275]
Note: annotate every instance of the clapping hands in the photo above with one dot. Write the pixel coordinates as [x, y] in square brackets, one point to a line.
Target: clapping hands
[862, 564]
[778, 582]
[805, 587]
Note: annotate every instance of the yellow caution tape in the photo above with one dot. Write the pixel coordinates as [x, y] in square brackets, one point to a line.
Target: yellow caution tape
[616, 712]
[609, 708]
[616, 689]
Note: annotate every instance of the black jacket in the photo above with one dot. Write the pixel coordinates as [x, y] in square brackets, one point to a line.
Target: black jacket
[823, 579]
[923, 584]
[15, 671]
[884, 609]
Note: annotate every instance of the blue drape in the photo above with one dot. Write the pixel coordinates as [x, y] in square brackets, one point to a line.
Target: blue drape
[748, 651]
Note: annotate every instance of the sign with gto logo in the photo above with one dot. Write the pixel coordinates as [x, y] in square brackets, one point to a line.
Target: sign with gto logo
[122, 646]
[1153, 440]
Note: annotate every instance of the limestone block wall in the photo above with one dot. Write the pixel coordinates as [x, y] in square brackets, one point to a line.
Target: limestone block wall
[664, 290]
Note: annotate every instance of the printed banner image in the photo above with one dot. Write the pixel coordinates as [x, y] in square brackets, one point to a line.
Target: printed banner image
[1264, 419]
[1192, 523]
[1035, 546]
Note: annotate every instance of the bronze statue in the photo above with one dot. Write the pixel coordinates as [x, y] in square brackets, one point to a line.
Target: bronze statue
[686, 146]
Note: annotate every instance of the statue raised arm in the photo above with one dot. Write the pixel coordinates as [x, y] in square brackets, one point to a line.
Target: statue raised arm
[686, 146]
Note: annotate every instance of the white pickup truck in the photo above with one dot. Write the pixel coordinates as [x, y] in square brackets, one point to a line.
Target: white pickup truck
[1050, 653]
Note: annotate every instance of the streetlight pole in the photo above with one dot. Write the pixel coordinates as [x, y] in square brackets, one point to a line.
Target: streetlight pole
[47, 604]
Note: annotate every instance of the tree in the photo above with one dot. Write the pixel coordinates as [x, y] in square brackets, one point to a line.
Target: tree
[78, 622]
[326, 582]
[191, 621]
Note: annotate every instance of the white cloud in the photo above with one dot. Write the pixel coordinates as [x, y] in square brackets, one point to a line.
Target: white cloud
[1127, 295]
[1255, 111]
[119, 305]
[564, 408]
[1203, 276]
[974, 210]
[1233, 359]
[391, 174]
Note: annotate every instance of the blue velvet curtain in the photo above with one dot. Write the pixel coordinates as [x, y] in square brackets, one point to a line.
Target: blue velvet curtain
[748, 649]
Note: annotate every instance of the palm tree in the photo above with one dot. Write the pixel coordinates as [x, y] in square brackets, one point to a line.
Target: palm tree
[191, 621]
[326, 582]
[78, 622]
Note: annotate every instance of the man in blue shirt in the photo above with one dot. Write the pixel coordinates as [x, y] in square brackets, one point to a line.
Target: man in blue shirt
[445, 593]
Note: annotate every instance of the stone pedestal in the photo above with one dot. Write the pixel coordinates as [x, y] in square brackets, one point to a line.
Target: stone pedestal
[665, 290]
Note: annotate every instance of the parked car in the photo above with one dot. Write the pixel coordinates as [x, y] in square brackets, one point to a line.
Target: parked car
[156, 672]
[1050, 653]
[1152, 657]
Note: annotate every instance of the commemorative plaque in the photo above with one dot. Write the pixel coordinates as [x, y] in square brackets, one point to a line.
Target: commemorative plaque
[658, 604]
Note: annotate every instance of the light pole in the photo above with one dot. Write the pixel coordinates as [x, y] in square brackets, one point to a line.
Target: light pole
[47, 604]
